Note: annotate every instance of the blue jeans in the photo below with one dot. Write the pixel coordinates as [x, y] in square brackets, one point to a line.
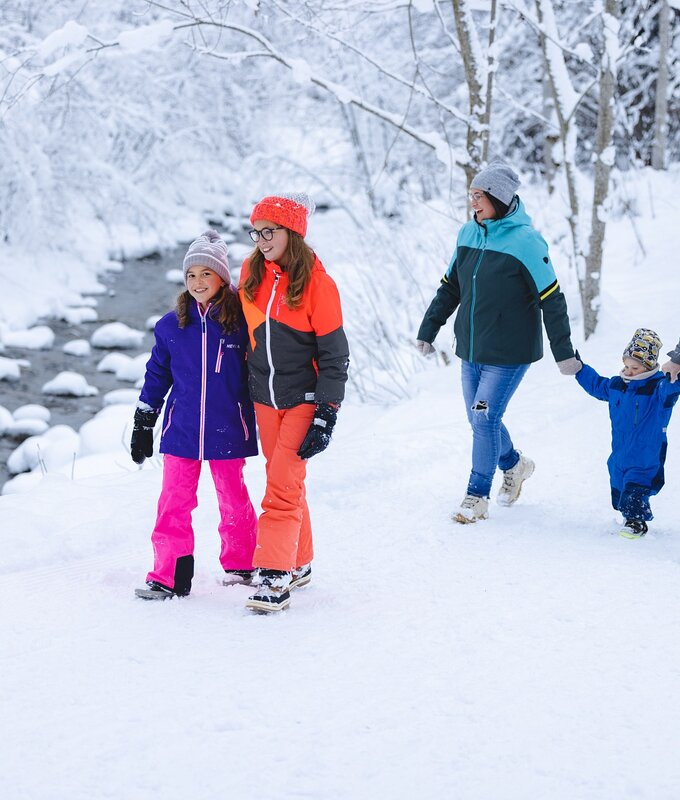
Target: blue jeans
[487, 390]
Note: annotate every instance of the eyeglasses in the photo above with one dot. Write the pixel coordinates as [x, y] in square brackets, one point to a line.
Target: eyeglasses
[476, 197]
[266, 233]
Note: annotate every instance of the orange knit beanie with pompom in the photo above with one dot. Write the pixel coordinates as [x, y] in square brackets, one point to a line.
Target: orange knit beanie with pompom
[290, 210]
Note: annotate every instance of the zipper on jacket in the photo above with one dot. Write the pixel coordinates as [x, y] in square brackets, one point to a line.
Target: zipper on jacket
[246, 432]
[637, 404]
[474, 298]
[268, 339]
[204, 380]
[220, 351]
[165, 429]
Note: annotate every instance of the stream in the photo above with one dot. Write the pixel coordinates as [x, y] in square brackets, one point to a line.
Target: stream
[139, 291]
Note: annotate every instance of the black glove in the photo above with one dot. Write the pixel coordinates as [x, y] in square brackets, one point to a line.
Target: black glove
[319, 434]
[141, 444]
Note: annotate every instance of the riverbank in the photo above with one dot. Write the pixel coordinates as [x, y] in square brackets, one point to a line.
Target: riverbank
[139, 291]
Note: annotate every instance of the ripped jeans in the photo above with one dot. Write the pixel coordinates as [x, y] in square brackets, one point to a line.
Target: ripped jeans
[487, 390]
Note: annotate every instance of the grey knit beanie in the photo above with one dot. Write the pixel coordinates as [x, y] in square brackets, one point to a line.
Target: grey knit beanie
[209, 250]
[497, 179]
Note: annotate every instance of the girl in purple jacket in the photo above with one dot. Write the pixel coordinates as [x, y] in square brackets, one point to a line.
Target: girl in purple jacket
[199, 356]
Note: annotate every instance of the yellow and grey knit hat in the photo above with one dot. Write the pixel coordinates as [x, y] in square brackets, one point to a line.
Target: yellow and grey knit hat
[644, 347]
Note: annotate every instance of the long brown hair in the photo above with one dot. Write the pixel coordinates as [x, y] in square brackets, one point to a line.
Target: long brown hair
[299, 257]
[225, 308]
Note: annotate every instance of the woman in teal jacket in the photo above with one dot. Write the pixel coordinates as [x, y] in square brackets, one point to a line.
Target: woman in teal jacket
[502, 283]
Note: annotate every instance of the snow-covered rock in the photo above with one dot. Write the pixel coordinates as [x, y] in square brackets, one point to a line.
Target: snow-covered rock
[77, 347]
[38, 338]
[119, 397]
[32, 411]
[10, 368]
[30, 426]
[57, 446]
[70, 384]
[116, 334]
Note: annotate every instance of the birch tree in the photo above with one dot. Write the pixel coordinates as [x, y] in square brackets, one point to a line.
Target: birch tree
[661, 102]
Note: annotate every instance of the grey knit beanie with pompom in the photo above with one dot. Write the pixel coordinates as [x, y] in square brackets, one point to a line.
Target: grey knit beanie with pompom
[209, 250]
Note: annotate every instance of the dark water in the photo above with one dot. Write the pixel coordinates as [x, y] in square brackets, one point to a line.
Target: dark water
[140, 291]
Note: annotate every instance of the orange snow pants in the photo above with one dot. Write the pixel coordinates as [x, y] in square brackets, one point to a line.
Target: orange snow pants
[284, 530]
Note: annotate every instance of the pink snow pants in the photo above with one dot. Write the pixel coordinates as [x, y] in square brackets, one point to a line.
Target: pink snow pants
[173, 535]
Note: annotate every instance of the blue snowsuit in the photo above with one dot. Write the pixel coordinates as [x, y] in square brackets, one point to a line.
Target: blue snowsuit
[640, 411]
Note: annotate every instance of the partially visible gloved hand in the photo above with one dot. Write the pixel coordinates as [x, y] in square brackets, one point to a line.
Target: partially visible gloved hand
[424, 348]
[141, 443]
[570, 366]
[319, 434]
[672, 370]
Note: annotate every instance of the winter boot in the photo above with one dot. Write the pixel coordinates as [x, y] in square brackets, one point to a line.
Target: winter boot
[272, 593]
[472, 509]
[156, 591]
[301, 576]
[238, 577]
[513, 479]
[633, 529]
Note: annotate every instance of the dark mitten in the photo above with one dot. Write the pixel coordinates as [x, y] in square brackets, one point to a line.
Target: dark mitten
[141, 444]
[319, 434]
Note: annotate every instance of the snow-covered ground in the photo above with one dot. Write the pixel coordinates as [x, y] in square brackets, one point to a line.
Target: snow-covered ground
[534, 655]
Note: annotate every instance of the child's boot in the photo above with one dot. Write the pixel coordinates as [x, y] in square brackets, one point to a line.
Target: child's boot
[513, 479]
[633, 529]
[155, 591]
[301, 576]
[234, 577]
[272, 593]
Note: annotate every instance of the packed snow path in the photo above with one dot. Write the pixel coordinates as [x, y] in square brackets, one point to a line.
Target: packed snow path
[533, 655]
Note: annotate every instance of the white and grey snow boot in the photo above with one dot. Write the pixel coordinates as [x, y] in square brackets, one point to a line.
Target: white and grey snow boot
[301, 576]
[513, 479]
[156, 591]
[239, 577]
[273, 593]
[633, 529]
[472, 508]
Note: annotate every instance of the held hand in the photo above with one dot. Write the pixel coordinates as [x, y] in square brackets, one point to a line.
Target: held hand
[319, 434]
[671, 369]
[570, 366]
[424, 348]
[141, 443]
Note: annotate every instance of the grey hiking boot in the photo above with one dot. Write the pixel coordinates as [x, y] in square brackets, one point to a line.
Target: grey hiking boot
[273, 593]
[513, 479]
[472, 508]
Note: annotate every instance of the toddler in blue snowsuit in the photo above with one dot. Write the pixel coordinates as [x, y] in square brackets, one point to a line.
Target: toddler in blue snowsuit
[641, 400]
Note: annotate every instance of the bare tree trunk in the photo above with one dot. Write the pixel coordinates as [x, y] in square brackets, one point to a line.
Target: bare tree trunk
[603, 157]
[565, 100]
[490, 72]
[661, 104]
[469, 49]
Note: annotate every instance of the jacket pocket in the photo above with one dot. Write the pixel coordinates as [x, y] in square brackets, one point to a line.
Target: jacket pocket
[220, 353]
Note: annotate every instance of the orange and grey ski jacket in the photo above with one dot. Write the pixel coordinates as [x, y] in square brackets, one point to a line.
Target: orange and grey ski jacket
[295, 355]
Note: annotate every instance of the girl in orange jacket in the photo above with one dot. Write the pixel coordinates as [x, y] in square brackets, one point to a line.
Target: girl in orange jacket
[298, 358]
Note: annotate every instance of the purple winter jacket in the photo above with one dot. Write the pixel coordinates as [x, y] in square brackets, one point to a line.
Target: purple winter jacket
[208, 414]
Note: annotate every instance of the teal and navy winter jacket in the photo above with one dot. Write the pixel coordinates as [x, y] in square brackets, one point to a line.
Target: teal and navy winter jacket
[501, 280]
[640, 411]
